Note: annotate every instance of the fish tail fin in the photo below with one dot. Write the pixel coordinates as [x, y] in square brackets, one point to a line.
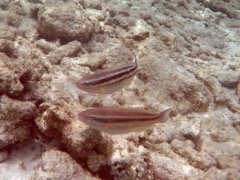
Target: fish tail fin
[163, 116]
[135, 58]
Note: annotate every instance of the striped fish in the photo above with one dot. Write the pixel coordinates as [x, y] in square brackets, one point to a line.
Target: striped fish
[120, 120]
[110, 80]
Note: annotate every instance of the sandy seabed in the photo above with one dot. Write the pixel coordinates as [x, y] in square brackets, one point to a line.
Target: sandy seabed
[188, 59]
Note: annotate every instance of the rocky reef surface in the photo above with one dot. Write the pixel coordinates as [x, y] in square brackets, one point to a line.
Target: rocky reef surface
[189, 60]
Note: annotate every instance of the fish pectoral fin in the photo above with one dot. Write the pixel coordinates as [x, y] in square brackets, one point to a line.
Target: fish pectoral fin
[101, 89]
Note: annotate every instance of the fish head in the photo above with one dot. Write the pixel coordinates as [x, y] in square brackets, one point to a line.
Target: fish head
[83, 84]
[164, 115]
[87, 85]
[84, 116]
[88, 117]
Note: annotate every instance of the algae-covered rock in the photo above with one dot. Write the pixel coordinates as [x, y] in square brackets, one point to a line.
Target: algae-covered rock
[55, 164]
[66, 21]
[9, 80]
[16, 119]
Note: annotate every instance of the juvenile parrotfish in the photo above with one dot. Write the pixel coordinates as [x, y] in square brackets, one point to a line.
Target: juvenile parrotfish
[110, 80]
[120, 120]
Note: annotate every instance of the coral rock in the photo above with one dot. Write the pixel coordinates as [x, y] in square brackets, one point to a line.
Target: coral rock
[15, 119]
[58, 165]
[66, 21]
[9, 80]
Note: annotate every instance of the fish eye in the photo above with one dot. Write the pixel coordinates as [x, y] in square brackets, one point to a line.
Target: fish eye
[86, 82]
[91, 117]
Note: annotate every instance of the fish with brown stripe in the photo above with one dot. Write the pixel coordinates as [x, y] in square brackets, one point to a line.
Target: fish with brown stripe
[110, 80]
[115, 120]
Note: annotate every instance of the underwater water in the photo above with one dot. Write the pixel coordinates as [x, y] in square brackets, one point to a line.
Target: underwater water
[161, 79]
